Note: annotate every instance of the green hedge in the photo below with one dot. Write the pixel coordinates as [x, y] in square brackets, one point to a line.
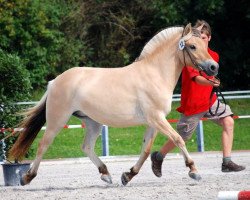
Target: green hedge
[14, 86]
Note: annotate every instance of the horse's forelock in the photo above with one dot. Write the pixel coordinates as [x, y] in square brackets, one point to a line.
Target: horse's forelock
[196, 32]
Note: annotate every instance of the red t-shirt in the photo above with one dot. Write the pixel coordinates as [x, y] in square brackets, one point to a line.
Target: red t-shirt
[195, 98]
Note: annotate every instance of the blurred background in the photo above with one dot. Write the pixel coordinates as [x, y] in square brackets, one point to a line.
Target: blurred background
[51, 36]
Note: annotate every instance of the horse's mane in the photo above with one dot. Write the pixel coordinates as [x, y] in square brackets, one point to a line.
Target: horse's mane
[157, 40]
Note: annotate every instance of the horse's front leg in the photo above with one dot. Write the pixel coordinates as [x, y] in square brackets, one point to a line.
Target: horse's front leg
[160, 123]
[93, 129]
[148, 140]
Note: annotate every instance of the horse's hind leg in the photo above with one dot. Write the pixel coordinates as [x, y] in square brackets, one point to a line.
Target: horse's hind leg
[56, 119]
[46, 140]
[93, 130]
[148, 140]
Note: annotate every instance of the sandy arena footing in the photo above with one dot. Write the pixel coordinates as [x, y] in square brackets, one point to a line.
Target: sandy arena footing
[79, 179]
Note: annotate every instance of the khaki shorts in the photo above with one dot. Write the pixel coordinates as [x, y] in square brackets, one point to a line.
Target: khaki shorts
[187, 124]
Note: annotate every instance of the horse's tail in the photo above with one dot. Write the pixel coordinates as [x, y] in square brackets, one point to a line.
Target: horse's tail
[35, 118]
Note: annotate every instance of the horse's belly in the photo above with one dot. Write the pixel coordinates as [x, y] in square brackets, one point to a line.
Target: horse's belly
[116, 120]
[114, 115]
[123, 122]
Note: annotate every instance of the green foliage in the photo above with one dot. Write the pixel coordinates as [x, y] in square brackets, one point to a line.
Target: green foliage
[116, 31]
[31, 29]
[109, 28]
[14, 86]
[117, 34]
[50, 36]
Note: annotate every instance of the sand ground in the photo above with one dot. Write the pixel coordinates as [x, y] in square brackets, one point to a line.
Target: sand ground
[79, 179]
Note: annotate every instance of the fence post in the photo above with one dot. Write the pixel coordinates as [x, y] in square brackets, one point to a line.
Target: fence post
[105, 140]
[200, 137]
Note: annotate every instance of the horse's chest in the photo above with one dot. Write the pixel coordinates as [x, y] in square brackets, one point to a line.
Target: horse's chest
[160, 103]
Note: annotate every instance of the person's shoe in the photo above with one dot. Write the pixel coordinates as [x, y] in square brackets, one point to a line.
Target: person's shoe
[156, 164]
[231, 167]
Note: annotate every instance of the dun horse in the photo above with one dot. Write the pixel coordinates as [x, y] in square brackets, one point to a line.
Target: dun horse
[137, 94]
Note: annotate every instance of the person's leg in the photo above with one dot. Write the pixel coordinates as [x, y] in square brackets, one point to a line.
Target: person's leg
[157, 157]
[167, 147]
[228, 165]
[227, 123]
[185, 127]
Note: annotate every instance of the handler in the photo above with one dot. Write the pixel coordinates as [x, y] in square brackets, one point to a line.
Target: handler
[196, 101]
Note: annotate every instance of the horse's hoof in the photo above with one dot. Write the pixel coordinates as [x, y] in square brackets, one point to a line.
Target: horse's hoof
[125, 179]
[194, 176]
[27, 178]
[23, 180]
[107, 178]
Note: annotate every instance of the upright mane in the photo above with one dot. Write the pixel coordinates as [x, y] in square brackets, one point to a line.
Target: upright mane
[157, 40]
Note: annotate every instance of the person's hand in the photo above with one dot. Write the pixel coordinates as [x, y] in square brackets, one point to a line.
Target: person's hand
[215, 82]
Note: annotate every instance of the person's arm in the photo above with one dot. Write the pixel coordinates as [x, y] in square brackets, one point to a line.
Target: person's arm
[203, 81]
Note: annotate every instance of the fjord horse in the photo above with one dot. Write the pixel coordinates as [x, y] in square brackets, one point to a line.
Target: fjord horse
[137, 94]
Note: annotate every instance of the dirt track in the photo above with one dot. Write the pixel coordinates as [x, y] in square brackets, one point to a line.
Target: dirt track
[79, 179]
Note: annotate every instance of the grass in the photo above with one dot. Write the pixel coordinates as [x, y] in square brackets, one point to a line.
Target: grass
[128, 141]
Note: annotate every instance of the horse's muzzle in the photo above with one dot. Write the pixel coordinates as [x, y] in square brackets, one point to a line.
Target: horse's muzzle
[210, 67]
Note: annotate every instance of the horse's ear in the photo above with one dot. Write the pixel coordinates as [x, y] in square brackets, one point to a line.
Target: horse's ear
[187, 34]
[200, 27]
[187, 29]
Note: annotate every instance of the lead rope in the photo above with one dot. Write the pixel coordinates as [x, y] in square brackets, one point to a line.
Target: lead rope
[218, 93]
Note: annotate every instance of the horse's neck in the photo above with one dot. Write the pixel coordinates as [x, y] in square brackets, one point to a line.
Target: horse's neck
[167, 63]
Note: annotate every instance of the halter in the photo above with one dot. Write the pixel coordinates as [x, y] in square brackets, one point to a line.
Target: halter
[183, 47]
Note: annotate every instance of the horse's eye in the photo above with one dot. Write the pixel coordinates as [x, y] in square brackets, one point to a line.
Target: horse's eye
[192, 47]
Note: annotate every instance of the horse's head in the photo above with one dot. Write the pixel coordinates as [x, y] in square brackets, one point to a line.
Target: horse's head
[194, 52]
